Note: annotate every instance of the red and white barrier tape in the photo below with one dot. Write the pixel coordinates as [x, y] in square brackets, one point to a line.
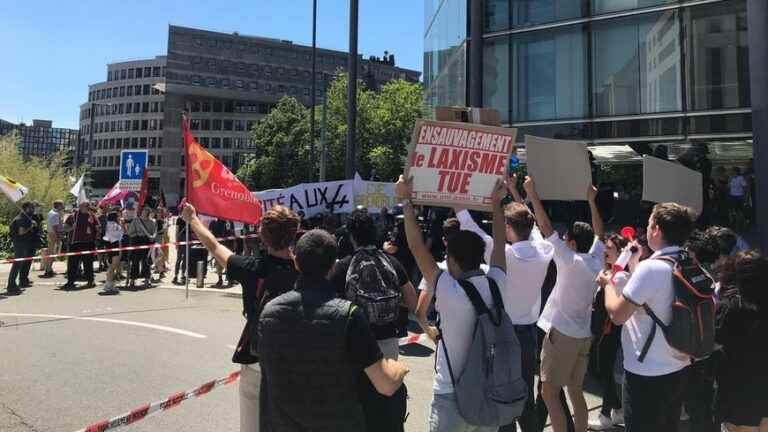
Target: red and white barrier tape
[155, 408]
[414, 338]
[125, 248]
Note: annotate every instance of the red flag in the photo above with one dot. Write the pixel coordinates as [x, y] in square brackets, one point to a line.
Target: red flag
[144, 189]
[213, 189]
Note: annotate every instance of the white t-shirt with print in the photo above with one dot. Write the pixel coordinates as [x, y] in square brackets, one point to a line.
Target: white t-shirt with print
[457, 321]
[651, 284]
[569, 308]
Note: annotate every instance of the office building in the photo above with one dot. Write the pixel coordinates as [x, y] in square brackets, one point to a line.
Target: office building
[224, 82]
[41, 139]
[612, 73]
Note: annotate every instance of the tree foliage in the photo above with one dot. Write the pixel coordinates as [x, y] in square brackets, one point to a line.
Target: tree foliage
[385, 123]
[48, 179]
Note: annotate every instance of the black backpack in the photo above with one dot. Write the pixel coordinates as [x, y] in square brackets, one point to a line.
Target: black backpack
[692, 328]
[371, 284]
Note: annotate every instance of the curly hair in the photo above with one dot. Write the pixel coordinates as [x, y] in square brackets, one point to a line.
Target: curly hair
[748, 273]
[362, 228]
[278, 227]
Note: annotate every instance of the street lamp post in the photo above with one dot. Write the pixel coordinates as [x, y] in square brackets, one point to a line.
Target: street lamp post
[352, 90]
[312, 170]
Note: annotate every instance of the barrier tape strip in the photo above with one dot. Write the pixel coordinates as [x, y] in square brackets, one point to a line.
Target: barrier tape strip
[125, 248]
[414, 338]
[158, 407]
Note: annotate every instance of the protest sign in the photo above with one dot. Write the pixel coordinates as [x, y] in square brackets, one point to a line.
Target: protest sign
[559, 167]
[311, 199]
[374, 195]
[457, 164]
[665, 181]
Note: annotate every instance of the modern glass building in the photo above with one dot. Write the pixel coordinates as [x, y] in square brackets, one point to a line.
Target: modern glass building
[612, 73]
[41, 139]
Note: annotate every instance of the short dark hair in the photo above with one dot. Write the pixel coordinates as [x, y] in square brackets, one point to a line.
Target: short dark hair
[675, 222]
[361, 227]
[315, 253]
[467, 249]
[618, 241]
[27, 205]
[726, 239]
[747, 272]
[520, 219]
[451, 226]
[704, 245]
[278, 227]
[583, 234]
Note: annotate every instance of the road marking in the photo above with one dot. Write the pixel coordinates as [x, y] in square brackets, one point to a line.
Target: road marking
[112, 321]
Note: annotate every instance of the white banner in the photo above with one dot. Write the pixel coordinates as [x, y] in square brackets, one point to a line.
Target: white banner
[374, 195]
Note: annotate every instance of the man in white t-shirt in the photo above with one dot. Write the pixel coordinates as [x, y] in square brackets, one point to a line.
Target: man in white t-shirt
[566, 316]
[54, 229]
[653, 387]
[528, 257]
[465, 254]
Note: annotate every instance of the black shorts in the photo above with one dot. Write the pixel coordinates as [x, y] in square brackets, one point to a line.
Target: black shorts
[111, 246]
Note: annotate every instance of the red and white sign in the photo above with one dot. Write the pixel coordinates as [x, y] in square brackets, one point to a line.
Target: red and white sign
[457, 164]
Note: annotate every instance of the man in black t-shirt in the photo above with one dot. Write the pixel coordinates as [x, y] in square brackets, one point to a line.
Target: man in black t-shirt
[262, 278]
[220, 229]
[22, 232]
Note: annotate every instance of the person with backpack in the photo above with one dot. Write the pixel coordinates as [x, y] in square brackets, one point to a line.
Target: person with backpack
[378, 284]
[141, 232]
[478, 383]
[579, 257]
[262, 278]
[528, 257]
[655, 365]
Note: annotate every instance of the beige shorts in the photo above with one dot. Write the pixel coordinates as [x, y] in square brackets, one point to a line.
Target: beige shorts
[564, 359]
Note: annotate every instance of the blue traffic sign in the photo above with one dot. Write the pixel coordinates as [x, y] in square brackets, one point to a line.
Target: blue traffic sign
[133, 164]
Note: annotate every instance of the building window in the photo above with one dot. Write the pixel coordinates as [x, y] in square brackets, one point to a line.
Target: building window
[206, 106]
[718, 57]
[127, 125]
[205, 125]
[137, 89]
[160, 142]
[143, 142]
[129, 91]
[216, 125]
[194, 124]
[194, 106]
[122, 91]
[136, 107]
[204, 142]
[144, 125]
[636, 64]
[146, 90]
[128, 107]
[122, 74]
[152, 160]
[226, 142]
[138, 72]
[229, 106]
[605, 6]
[154, 107]
[152, 142]
[109, 76]
[228, 125]
[153, 124]
[156, 71]
[217, 106]
[135, 125]
[215, 142]
[147, 71]
[134, 142]
[239, 125]
[506, 14]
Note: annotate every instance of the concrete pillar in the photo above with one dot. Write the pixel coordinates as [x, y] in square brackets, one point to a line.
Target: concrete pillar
[757, 13]
[475, 53]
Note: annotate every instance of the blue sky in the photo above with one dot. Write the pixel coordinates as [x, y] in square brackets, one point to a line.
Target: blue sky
[52, 49]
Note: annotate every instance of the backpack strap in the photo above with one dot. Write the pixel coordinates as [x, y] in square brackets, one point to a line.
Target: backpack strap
[656, 323]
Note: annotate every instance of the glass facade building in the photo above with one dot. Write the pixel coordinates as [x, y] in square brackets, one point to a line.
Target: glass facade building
[41, 139]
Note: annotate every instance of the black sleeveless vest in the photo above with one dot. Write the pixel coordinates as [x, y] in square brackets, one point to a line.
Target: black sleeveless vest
[311, 384]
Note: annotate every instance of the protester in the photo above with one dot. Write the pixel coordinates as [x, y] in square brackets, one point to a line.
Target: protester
[262, 279]
[83, 227]
[181, 253]
[608, 342]
[457, 314]
[741, 377]
[54, 231]
[113, 237]
[141, 231]
[160, 253]
[566, 316]
[527, 260]
[313, 346]
[221, 229]
[653, 387]
[22, 232]
[737, 193]
[378, 284]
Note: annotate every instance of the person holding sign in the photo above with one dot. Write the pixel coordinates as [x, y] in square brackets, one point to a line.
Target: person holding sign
[566, 317]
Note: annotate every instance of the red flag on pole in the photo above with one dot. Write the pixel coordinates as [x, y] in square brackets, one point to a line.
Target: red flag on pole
[213, 189]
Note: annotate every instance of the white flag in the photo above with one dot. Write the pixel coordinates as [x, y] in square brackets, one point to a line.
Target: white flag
[78, 190]
[12, 189]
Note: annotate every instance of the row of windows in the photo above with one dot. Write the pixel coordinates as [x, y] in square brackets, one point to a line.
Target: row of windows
[123, 91]
[221, 125]
[125, 143]
[125, 108]
[114, 161]
[625, 66]
[124, 126]
[231, 106]
[136, 73]
[253, 86]
[244, 47]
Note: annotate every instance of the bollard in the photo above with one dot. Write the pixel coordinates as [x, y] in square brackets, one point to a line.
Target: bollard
[200, 273]
[42, 261]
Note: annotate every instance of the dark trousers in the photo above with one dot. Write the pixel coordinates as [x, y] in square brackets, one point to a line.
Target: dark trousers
[652, 403]
[20, 269]
[541, 407]
[73, 262]
[607, 349]
[181, 255]
[699, 395]
[528, 421]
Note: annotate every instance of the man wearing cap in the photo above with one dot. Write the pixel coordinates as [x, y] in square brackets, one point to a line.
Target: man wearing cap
[84, 228]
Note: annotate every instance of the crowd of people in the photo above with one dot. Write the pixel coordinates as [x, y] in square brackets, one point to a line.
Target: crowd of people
[326, 299]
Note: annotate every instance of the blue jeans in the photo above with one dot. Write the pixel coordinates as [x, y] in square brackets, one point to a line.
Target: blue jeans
[444, 416]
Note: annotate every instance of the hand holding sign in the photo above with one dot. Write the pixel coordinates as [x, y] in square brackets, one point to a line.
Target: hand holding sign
[404, 188]
[529, 186]
[499, 193]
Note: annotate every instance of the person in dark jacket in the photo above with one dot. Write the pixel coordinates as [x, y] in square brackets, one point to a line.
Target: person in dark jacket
[22, 231]
[84, 227]
[313, 348]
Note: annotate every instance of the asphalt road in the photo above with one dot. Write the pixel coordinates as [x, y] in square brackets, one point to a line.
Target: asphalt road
[61, 372]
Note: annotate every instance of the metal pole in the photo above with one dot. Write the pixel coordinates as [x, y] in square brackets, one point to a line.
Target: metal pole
[352, 91]
[312, 164]
[90, 132]
[476, 54]
[757, 14]
[186, 263]
[323, 128]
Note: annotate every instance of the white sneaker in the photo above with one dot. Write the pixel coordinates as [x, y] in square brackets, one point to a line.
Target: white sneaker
[617, 417]
[600, 424]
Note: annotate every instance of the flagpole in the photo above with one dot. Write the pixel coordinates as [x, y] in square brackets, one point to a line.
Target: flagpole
[186, 197]
[186, 264]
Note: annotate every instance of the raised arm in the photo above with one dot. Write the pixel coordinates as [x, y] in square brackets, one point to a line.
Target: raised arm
[422, 255]
[220, 252]
[597, 220]
[512, 188]
[542, 219]
[498, 255]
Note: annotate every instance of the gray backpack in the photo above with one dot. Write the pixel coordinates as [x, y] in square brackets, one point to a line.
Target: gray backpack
[490, 391]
